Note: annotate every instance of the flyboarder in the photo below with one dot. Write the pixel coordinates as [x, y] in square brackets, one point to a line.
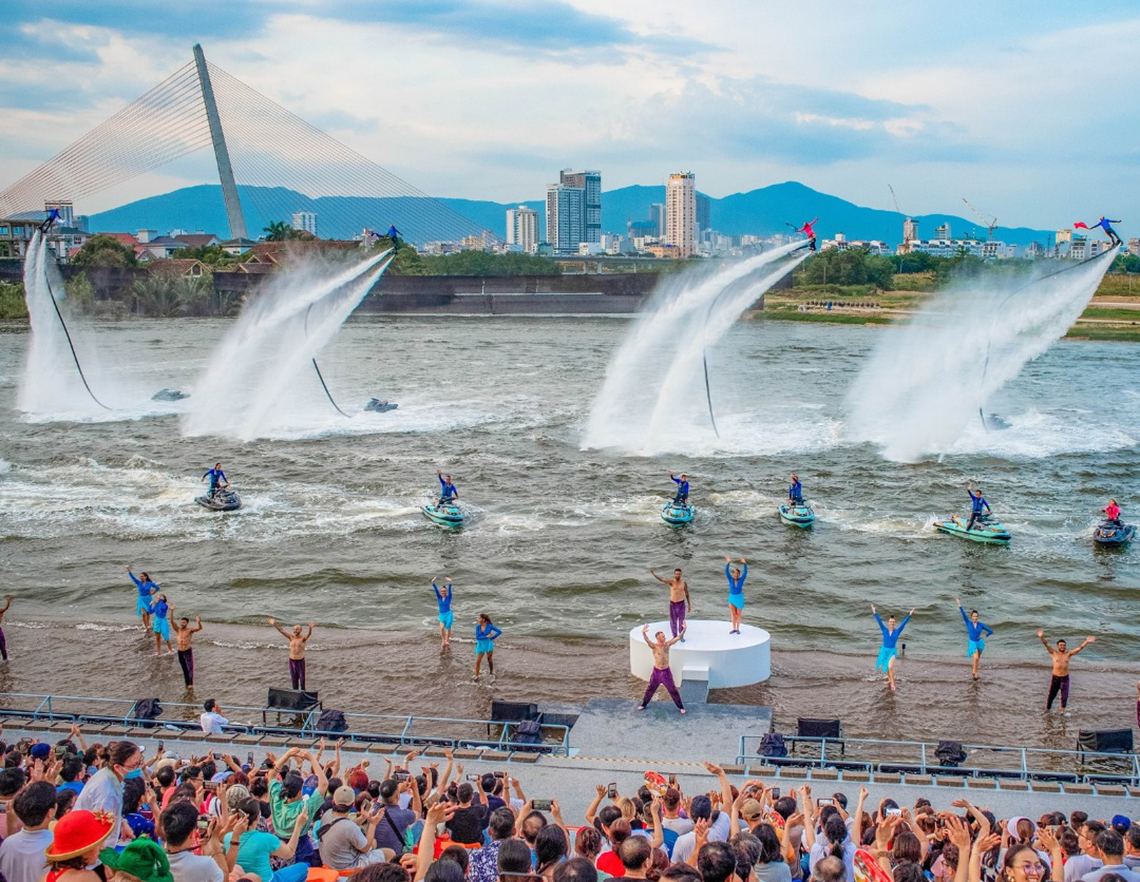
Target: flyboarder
[1106, 225]
[807, 230]
[394, 235]
[53, 216]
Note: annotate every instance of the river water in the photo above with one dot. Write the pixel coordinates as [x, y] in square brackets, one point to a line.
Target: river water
[560, 538]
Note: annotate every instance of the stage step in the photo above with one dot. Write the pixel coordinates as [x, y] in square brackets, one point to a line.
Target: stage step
[695, 684]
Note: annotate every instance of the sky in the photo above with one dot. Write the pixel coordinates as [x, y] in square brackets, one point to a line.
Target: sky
[1025, 109]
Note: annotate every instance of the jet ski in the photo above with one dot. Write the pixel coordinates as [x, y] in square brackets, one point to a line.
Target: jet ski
[378, 406]
[798, 514]
[677, 514]
[986, 530]
[1113, 535]
[169, 395]
[223, 500]
[996, 423]
[447, 514]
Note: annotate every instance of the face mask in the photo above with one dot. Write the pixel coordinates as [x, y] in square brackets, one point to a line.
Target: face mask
[132, 774]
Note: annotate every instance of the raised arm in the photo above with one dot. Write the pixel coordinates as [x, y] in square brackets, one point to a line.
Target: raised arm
[1044, 642]
[309, 633]
[645, 636]
[1087, 641]
[653, 573]
[197, 625]
[280, 630]
[857, 825]
[725, 787]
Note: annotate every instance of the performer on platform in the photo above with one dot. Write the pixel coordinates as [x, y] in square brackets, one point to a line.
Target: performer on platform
[680, 602]
[736, 577]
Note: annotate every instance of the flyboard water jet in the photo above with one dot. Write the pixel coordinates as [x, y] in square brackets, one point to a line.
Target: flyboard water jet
[985, 365]
[249, 380]
[652, 373]
[922, 386]
[36, 271]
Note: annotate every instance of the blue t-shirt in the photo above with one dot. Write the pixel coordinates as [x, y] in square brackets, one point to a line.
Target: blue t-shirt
[254, 850]
[891, 638]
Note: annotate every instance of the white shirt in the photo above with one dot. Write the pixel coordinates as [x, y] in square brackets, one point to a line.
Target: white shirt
[185, 866]
[212, 723]
[103, 792]
[22, 855]
[718, 832]
[1080, 865]
[1126, 874]
[822, 849]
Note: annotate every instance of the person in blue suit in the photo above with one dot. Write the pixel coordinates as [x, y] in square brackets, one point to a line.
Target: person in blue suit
[976, 635]
[888, 652]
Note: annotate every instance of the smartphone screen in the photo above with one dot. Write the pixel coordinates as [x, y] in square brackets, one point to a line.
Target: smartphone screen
[611, 791]
[541, 805]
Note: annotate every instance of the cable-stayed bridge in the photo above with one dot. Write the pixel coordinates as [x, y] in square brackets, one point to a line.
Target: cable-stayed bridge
[271, 163]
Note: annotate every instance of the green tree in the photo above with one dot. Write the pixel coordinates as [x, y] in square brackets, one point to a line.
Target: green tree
[277, 231]
[484, 263]
[12, 305]
[157, 294]
[212, 255]
[103, 250]
[80, 292]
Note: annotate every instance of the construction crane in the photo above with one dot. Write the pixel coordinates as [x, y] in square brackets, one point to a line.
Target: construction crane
[895, 199]
[990, 224]
[910, 228]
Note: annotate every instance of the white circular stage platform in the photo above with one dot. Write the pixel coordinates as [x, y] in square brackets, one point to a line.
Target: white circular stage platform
[709, 652]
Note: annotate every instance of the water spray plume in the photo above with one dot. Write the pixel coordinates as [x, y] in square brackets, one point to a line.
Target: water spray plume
[54, 380]
[927, 380]
[250, 383]
[655, 378]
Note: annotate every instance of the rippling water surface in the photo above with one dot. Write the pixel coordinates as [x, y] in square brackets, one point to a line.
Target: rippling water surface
[560, 538]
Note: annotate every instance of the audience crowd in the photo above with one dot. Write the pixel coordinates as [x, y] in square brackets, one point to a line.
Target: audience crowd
[75, 812]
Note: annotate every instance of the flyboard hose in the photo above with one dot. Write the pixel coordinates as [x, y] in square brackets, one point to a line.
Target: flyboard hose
[705, 355]
[70, 344]
[320, 377]
[986, 363]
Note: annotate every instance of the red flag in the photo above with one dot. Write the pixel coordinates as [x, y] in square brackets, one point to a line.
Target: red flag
[1080, 225]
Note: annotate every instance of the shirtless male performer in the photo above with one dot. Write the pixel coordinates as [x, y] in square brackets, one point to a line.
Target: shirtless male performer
[662, 675]
[679, 601]
[297, 642]
[183, 634]
[1060, 681]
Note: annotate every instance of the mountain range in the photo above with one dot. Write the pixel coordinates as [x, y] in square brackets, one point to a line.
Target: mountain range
[764, 212]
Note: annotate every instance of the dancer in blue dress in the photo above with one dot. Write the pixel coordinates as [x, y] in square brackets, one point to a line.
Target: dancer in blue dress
[888, 653]
[161, 610]
[446, 616]
[736, 577]
[146, 588]
[976, 635]
[485, 636]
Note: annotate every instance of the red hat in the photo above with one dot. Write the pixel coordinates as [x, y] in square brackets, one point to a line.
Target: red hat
[77, 833]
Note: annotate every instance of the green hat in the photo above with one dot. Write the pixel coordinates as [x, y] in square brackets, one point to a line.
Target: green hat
[142, 858]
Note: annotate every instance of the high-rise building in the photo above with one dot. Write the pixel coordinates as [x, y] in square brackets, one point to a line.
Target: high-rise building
[704, 213]
[681, 213]
[943, 232]
[522, 228]
[910, 230]
[565, 218]
[657, 215]
[305, 220]
[591, 183]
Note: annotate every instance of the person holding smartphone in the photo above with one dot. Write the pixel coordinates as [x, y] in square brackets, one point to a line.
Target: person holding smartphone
[469, 820]
[345, 837]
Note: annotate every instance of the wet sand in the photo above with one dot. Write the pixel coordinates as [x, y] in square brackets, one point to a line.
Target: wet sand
[406, 674]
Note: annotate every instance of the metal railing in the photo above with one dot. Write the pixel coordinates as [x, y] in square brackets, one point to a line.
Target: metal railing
[892, 757]
[395, 729]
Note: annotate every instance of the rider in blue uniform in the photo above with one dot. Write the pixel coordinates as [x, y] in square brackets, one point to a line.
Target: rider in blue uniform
[217, 479]
[447, 492]
[796, 491]
[682, 497]
[977, 503]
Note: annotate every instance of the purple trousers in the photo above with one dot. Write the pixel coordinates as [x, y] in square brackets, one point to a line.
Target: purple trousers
[676, 616]
[1058, 685]
[3, 645]
[186, 660]
[662, 678]
[297, 673]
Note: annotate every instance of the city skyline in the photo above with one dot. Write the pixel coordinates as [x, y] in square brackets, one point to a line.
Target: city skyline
[927, 102]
